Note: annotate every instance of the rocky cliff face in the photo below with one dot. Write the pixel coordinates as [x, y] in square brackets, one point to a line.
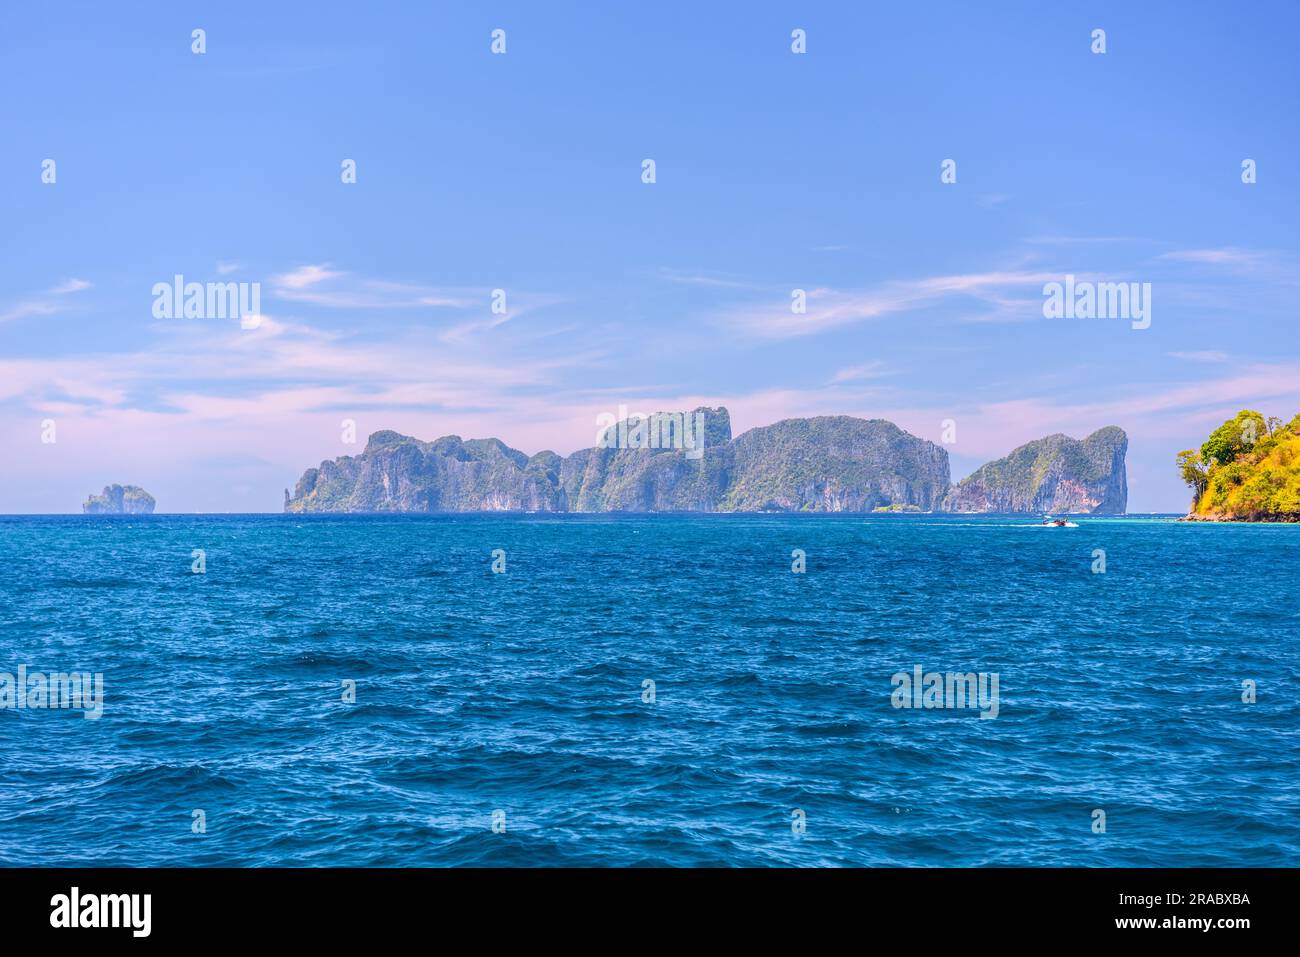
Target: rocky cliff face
[834, 464]
[397, 473]
[614, 477]
[824, 464]
[120, 500]
[1054, 474]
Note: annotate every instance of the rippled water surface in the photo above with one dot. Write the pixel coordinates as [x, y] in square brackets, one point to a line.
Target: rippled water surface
[522, 692]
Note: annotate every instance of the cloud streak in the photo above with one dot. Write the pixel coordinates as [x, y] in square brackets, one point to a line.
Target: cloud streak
[322, 286]
[52, 301]
[829, 309]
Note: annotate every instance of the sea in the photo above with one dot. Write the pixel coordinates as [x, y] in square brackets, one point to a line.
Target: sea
[654, 690]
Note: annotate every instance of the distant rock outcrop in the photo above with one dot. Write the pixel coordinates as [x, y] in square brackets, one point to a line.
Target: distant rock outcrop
[1054, 474]
[120, 500]
[688, 462]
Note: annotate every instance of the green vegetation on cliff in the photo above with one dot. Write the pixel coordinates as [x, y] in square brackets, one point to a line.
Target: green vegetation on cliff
[1247, 470]
[1052, 474]
[834, 463]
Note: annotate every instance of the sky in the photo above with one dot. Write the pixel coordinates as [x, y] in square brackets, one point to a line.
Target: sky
[522, 171]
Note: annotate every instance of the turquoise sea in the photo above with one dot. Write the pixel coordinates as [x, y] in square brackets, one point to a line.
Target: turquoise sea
[508, 718]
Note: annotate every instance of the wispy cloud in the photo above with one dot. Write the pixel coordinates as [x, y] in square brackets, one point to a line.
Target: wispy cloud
[1063, 240]
[1150, 411]
[520, 305]
[69, 285]
[322, 286]
[869, 370]
[52, 301]
[1229, 256]
[832, 308]
[704, 279]
[303, 277]
[1269, 266]
[282, 364]
[1207, 355]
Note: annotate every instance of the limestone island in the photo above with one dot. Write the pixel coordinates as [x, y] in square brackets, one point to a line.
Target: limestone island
[1248, 470]
[834, 463]
[120, 500]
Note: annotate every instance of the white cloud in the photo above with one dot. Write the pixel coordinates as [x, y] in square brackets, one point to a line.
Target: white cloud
[322, 286]
[701, 279]
[832, 308]
[871, 370]
[1225, 256]
[303, 277]
[48, 303]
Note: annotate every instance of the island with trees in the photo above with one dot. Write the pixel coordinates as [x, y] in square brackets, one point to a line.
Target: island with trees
[1248, 470]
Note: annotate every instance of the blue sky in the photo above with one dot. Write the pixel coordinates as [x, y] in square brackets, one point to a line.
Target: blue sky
[522, 171]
